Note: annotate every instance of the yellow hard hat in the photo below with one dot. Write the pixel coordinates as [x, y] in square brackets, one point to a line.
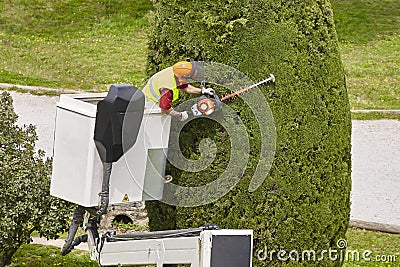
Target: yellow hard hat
[183, 70]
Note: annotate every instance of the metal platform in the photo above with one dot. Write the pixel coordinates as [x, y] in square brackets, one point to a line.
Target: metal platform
[198, 247]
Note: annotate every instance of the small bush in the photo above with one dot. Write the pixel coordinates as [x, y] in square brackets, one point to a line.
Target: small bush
[26, 204]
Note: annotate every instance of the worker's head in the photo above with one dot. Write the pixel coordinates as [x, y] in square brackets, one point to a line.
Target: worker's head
[185, 70]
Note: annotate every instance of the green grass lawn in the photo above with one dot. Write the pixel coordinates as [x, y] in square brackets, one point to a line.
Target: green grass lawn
[384, 248]
[34, 255]
[75, 44]
[369, 36]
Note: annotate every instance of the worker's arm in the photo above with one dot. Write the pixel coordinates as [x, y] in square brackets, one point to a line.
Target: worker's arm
[166, 106]
[190, 89]
[171, 112]
[182, 116]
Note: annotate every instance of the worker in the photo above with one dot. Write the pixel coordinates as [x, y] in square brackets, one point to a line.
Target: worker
[163, 87]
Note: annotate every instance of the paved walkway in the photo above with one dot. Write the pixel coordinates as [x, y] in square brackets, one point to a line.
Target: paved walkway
[375, 155]
[58, 243]
[39, 111]
[376, 171]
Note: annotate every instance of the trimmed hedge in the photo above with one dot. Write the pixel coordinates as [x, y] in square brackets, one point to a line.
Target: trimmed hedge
[304, 203]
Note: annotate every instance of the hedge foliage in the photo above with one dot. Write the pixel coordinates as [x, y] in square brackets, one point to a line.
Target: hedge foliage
[304, 203]
[25, 202]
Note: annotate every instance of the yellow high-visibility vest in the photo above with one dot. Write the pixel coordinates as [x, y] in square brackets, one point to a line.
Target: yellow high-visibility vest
[160, 80]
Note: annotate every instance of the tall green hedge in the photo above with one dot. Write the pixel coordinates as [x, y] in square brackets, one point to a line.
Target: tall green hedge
[304, 202]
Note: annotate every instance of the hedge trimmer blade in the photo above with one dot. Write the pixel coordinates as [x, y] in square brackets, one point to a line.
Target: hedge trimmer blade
[271, 78]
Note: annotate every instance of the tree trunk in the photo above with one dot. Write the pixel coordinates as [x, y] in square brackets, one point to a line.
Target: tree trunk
[6, 259]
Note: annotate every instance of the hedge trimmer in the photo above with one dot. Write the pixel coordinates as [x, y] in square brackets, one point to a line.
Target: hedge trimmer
[208, 104]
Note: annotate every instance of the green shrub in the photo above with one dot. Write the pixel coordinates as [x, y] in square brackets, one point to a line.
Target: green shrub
[304, 202]
[26, 204]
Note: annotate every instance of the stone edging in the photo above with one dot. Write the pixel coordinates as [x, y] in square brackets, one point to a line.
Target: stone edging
[384, 111]
[386, 228]
[37, 89]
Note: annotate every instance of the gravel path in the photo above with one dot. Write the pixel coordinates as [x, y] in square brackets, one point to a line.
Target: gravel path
[375, 155]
